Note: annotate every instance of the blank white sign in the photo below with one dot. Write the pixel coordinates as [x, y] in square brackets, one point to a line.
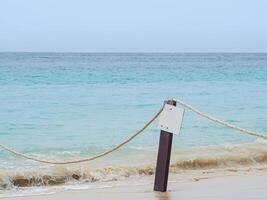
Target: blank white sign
[171, 118]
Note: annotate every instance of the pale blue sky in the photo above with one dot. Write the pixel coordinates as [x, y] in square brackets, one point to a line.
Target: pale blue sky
[134, 26]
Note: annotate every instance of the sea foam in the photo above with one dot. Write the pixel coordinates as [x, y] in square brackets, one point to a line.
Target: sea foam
[183, 159]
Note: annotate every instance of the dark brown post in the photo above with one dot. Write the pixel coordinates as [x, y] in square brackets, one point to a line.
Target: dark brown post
[163, 161]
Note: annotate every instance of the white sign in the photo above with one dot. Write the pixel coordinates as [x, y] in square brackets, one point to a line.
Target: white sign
[171, 119]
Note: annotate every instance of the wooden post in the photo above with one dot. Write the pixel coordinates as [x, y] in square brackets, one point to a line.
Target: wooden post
[163, 160]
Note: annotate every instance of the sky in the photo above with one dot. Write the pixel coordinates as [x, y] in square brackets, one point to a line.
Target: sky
[133, 26]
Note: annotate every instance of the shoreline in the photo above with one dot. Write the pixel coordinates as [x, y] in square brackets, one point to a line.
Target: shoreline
[200, 167]
[234, 186]
[247, 183]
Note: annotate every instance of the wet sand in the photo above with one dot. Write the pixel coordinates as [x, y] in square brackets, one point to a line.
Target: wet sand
[235, 186]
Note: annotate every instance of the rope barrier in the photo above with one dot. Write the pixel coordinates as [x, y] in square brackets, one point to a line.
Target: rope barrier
[84, 159]
[127, 140]
[226, 124]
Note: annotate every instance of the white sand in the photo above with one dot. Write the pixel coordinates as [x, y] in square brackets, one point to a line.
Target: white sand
[235, 186]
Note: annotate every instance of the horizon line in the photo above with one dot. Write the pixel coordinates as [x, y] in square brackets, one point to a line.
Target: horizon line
[142, 52]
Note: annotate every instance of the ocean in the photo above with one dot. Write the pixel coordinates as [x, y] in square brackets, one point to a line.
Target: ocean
[64, 106]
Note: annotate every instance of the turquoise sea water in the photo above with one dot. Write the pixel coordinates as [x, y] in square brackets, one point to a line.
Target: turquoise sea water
[69, 105]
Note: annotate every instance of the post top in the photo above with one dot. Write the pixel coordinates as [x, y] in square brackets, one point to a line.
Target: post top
[170, 102]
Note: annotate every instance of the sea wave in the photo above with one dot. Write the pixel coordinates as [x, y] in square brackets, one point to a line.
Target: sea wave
[183, 159]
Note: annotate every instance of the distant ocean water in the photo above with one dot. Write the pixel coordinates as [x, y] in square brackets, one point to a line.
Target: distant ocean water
[69, 105]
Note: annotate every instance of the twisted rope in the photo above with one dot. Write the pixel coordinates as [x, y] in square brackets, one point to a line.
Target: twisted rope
[29, 157]
[127, 140]
[226, 124]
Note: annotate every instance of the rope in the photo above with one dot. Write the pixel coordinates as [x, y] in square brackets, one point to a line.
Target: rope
[127, 140]
[226, 124]
[89, 158]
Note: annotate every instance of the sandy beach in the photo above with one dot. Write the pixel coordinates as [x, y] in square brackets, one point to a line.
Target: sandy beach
[244, 184]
